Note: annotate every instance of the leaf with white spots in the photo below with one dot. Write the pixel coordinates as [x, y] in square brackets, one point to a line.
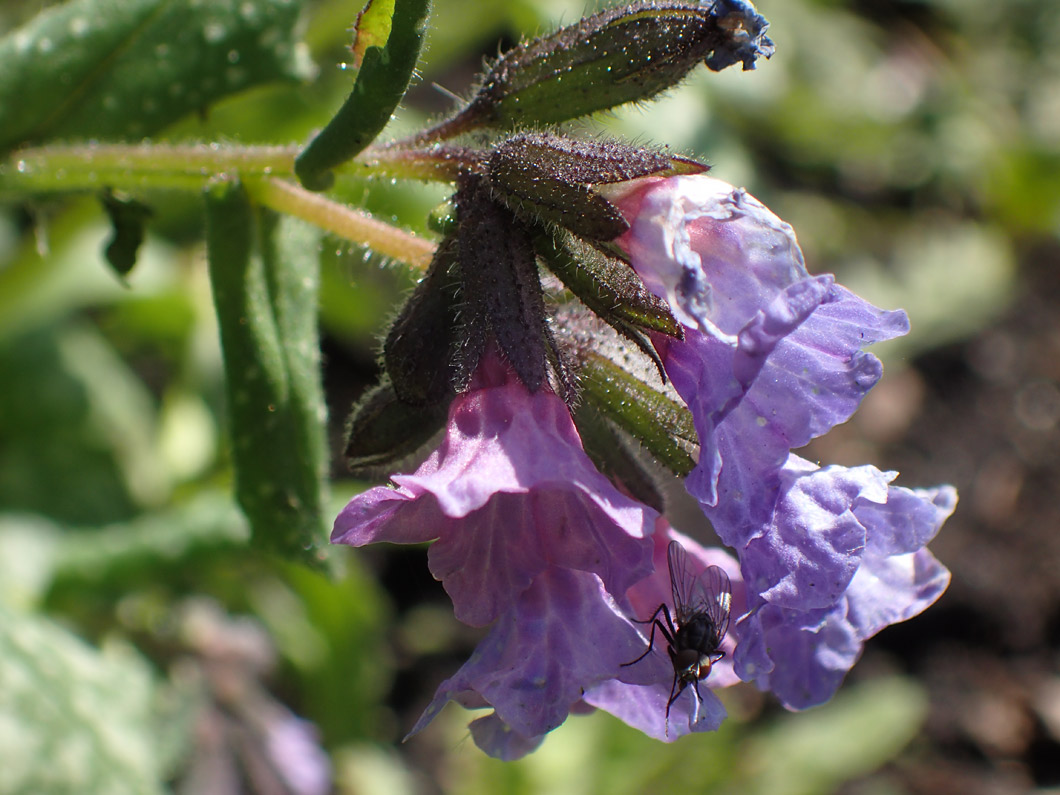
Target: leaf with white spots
[266, 301]
[74, 719]
[126, 68]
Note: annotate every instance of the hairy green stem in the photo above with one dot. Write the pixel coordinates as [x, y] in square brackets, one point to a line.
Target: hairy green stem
[346, 222]
[91, 166]
[134, 167]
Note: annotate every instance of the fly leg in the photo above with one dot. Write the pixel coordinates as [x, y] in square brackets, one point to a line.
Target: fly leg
[668, 631]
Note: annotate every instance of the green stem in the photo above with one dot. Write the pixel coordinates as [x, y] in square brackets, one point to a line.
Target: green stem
[136, 166]
[346, 222]
[77, 167]
[68, 168]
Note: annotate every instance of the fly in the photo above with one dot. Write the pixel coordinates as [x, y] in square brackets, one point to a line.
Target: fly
[695, 629]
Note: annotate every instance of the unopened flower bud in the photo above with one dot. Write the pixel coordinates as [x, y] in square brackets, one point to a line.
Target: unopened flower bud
[617, 56]
[546, 177]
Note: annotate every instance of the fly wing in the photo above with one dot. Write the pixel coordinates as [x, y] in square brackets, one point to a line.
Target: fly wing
[719, 599]
[690, 596]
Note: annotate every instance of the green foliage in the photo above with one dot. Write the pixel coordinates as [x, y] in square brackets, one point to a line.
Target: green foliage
[266, 308]
[813, 753]
[73, 719]
[382, 80]
[117, 68]
[916, 155]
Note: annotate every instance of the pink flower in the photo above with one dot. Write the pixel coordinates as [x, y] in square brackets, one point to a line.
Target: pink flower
[507, 494]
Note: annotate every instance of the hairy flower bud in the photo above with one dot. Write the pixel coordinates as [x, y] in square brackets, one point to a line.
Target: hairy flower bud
[546, 177]
[416, 353]
[383, 430]
[617, 56]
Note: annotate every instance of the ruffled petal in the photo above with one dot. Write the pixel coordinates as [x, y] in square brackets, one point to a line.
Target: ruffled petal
[715, 252]
[507, 494]
[818, 594]
[564, 635]
[640, 692]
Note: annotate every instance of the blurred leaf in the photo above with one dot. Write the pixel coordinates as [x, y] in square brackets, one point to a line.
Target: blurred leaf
[267, 309]
[817, 750]
[381, 83]
[370, 768]
[73, 719]
[29, 546]
[373, 27]
[210, 519]
[952, 277]
[126, 68]
[346, 669]
[77, 436]
[127, 219]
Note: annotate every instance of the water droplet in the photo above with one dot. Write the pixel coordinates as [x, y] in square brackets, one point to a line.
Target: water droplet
[21, 167]
[248, 11]
[110, 102]
[79, 26]
[233, 56]
[45, 44]
[162, 50]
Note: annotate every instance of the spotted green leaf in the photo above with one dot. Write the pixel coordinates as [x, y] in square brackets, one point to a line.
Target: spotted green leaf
[126, 68]
[266, 301]
[73, 719]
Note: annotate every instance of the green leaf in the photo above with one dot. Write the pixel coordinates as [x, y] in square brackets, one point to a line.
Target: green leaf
[660, 424]
[209, 520]
[815, 752]
[266, 305]
[73, 719]
[381, 83]
[127, 219]
[79, 432]
[373, 27]
[126, 68]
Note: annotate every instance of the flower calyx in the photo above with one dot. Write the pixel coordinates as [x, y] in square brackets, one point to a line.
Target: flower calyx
[619, 55]
[549, 178]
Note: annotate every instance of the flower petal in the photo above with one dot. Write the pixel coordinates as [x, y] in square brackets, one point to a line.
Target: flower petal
[815, 603]
[508, 493]
[715, 252]
[564, 635]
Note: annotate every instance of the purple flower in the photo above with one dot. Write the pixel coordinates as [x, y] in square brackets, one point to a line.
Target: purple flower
[843, 557]
[563, 646]
[293, 746]
[564, 634]
[773, 357]
[638, 694]
[532, 539]
[508, 494]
